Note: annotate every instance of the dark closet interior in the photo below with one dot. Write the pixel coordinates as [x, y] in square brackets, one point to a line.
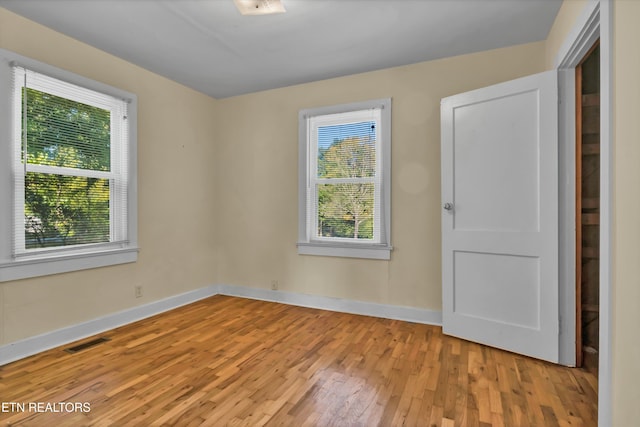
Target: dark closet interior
[588, 208]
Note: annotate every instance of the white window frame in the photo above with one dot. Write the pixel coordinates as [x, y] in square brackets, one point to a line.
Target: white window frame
[308, 122]
[17, 263]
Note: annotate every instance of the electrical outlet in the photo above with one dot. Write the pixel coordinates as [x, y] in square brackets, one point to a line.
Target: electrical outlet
[274, 285]
[138, 291]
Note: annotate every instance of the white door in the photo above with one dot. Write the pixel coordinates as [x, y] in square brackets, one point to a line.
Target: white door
[500, 215]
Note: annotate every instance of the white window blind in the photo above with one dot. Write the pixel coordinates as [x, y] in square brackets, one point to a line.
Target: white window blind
[70, 163]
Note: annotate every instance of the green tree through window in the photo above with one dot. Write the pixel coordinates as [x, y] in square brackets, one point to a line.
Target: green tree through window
[346, 209]
[64, 208]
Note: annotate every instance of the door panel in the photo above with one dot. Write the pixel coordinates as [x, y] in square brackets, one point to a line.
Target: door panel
[515, 206]
[500, 229]
[514, 278]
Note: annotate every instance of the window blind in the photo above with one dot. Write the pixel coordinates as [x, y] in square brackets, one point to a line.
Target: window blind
[344, 202]
[70, 165]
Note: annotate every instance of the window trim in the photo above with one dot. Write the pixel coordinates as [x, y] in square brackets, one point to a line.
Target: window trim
[71, 259]
[356, 249]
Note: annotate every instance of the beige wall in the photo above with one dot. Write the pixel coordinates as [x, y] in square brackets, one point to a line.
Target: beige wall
[256, 179]
[626, 213]
[176, 208]
[565, 20]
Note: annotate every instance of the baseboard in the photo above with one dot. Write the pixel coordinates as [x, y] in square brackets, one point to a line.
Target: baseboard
[33, 345]
[408, 314]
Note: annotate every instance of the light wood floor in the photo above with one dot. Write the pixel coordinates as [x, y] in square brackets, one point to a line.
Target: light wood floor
[232, 361]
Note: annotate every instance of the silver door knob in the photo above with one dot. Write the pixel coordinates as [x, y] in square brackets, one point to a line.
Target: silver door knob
[448, 207]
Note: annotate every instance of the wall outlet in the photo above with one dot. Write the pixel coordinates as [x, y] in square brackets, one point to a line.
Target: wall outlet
[138, 290]
[274, 285]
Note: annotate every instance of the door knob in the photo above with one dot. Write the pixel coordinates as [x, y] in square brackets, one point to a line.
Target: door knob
[448, 206]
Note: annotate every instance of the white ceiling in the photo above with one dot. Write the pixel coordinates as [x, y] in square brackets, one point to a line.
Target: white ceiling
[208, 46]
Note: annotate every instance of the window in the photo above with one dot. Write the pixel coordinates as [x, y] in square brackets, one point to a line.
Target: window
[68, 182]
[344, 181]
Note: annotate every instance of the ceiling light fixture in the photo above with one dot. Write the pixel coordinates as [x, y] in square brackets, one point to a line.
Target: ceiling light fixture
[259, 7]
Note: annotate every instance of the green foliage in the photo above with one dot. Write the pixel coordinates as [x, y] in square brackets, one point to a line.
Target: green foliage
[61, 209]
[346, 209]
[61, 132]
[347, 158]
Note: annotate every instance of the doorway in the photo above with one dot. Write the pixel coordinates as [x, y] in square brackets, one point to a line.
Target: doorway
[588, 209]
[594, 22]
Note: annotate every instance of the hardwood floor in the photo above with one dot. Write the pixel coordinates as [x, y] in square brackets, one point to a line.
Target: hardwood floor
[232, 361]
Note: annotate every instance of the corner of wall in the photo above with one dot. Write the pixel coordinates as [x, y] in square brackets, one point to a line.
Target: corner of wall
[564, 22]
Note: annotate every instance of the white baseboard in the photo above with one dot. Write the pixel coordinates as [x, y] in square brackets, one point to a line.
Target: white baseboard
[408, 314]
[33, 345]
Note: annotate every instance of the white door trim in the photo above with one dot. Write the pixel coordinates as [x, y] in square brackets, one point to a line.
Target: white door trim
[595, 21]
[581, 37]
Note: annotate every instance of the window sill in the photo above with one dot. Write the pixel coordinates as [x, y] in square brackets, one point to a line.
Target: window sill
[27, 267]
[381, 252]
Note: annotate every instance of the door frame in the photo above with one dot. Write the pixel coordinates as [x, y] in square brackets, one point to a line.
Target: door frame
[594, 22]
